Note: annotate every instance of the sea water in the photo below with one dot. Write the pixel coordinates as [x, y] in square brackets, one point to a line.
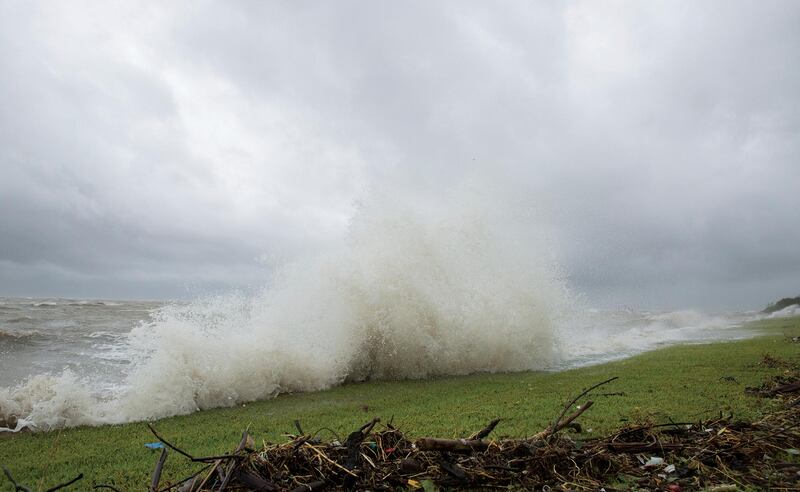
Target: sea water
[66, 362]
[463, 284]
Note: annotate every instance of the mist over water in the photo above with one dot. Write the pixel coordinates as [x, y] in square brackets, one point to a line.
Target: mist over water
[462, 284]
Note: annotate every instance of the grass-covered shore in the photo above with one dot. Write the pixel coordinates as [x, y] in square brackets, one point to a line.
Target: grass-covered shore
[682, 383]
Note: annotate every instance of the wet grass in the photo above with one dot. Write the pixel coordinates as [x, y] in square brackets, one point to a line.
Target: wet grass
[682, 383]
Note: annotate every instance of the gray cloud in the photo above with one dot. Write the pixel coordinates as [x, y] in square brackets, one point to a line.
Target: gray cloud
[156, 150]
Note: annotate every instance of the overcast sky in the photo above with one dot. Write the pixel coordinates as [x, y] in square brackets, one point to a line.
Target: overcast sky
[169, 149]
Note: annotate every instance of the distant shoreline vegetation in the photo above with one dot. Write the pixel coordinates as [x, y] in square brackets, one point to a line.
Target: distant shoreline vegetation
[782, 304]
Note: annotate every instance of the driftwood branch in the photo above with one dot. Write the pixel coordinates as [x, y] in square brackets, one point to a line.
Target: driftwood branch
[574, 400]
[310, 486]
[168, 444]
[191, 486]
[476, 443]
[65, 484]
[255, 482]
[452, 445]
[333, 432]
[188, 482]
[367, 428]
[157, 471]
[486, 430]
[232, 467]
[17, 487]
[564, 423]
[641, 447]
[784, 388]
[203, 459]
[354, 441]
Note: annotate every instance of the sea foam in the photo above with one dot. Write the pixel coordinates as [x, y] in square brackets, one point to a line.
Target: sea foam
[465, 283]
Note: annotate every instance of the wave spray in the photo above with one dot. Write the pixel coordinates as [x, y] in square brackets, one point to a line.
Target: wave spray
[417, 288]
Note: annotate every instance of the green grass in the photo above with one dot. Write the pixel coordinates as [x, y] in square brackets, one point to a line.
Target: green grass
[681, 383]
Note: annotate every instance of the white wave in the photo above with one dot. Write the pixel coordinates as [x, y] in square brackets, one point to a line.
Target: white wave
[788, 311]
[598, 336]
[47, 402]
[458, 286]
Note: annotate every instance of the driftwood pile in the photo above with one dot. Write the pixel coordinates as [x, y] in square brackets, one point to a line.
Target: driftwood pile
[720, 452]
[717, 454]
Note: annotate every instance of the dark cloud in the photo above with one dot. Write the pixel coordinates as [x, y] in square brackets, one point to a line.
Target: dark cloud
[147, 147]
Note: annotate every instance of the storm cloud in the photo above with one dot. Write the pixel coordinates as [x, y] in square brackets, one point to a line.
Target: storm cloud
[167, 149]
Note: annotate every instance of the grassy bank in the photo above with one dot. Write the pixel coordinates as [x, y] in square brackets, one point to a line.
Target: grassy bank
[682, 383]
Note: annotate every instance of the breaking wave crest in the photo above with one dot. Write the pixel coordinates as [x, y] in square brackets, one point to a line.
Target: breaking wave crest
[458, 286]
[47, 402]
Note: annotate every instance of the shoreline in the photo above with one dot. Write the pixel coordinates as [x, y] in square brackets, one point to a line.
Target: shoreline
[678, 382]
[50, 402]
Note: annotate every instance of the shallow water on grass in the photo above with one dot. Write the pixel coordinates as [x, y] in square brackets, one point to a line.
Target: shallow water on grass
[598, 336]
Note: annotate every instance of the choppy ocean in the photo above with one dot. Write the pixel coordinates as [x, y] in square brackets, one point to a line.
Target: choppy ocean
[67, 362]
[466, 284]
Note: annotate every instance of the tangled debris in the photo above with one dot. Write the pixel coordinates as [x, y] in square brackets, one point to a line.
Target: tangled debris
[674, 456]
[720, 452]
[785, 383]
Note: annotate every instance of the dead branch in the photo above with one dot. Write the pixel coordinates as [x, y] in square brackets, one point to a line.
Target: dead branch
[574, 400]
[564, 423]
[232, 467]
[190, 481]
[168, 444]
[65, 484]
[255, 482]
[486, 430]
[641, 447]
[157, 471]
[354, 440]
[184, 453]
[452, 445]
[315, 485]
[17, 487]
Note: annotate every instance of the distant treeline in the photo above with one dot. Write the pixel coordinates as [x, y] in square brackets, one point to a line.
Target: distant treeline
[783, 303]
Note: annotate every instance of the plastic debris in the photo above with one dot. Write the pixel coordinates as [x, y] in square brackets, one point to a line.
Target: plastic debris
[654, 461]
